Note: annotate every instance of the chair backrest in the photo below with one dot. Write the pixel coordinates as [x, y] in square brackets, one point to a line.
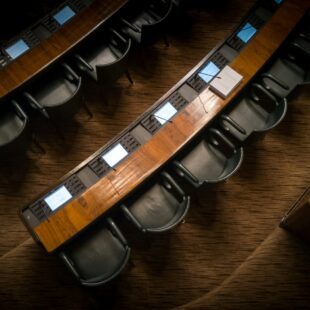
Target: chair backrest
[14, 129]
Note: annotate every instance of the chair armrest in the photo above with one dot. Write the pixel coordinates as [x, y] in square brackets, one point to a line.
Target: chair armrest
[170, 183]
[300, 48]
[182, 171]
[69, 73]
[131, 217]
[129, 25]
[275, 80]
[225, 118]
[215, 135]
[19, 111]
[36, 105]
[82, 63]
[304, 37]
[115, 230]
[69, 264]
[118, 35]
[261, 88]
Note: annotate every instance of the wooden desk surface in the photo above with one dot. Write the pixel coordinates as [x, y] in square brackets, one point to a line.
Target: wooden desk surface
[27, 66]
[116, 185]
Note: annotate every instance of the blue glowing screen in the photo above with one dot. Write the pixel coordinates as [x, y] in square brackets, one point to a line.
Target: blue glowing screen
[209, 72]
[246, 33]
[64, 15]
[17, 49]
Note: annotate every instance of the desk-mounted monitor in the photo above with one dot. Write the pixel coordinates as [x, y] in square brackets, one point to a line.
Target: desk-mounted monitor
[58, 198]
[64, 15]
[165, 113]
[209, 71]
[16, 49]
[115, 155]
[246, 33]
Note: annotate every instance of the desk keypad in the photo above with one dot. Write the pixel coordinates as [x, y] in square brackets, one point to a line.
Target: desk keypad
[41, 210]
[197, 82]
[151, 124]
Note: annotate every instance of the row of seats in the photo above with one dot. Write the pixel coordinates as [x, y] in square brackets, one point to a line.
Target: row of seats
[161, 204]
[103, 58]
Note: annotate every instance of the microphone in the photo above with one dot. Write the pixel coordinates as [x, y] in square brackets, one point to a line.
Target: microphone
[246, 28]
[202, 104]
[45, 214]
[212, 75]
[164, 119]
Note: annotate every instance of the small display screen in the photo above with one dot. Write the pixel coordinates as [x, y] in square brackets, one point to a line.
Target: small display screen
[115, 155]
[246, 33]
[165, 113]
[278, 1]
[209, 72]
[16, 49]
[64, 15]
[58, 198]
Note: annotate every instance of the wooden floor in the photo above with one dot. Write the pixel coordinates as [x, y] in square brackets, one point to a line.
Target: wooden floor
[225, 224]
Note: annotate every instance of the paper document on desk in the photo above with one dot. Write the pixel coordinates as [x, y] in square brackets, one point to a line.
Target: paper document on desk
[226, 81]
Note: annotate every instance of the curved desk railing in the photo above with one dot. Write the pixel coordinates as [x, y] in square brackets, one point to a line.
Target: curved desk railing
[102, 182]
[16, 72]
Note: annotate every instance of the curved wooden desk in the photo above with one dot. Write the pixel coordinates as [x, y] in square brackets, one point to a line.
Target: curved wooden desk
[33, 62]
[170, 139]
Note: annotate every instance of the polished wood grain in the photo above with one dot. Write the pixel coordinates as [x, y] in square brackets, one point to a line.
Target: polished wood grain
[116, 185]
[37, 59]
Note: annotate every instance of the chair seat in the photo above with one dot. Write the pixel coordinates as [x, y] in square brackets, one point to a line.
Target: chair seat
[250, 116]
[11, 126]
[214, 159]
[205, 162]
[147, 25]
[158, 206]
[98, 256]
[55, 92]
[143, 19]
[104, 58]
[101, 55]
[155, 208]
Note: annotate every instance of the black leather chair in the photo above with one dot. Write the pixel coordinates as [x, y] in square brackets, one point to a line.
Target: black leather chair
[255, 113]
[283, 77]
[97, 256]
[14, 129]
[105, 60]
[299, 48]
[57, 94]
[148, 24]
[159, 207]
[214, 159]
